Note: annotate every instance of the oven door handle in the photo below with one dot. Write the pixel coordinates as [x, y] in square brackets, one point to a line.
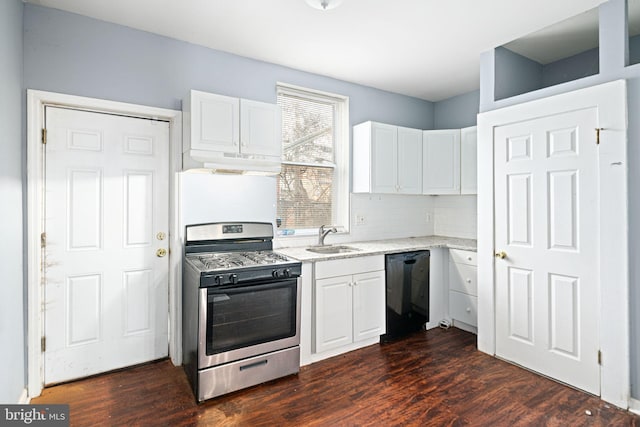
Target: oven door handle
[225, 292]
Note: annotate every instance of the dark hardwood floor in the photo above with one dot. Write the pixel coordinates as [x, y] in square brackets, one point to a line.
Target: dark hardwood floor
[434, 378]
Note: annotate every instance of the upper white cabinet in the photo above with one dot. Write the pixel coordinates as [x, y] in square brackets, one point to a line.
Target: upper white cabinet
[387, 159]
[222, 132]
[409, 161]
[441, 162]
[469, 160]
[450, 161]
[260, 129]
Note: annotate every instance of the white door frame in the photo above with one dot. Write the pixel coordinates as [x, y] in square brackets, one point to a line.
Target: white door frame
[36, 102]
[613, 287]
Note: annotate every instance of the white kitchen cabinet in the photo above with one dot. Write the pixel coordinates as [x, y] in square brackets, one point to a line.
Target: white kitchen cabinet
[469, 160]
[260, 128]
[222, 132]
[441, 162]
[349, 302]
[463, 287]
[387, 159]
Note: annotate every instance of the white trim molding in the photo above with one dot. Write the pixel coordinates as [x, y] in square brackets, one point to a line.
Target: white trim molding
[610, 101]
[36, 101]
[341, 184]
[24, 397]
[634, 406]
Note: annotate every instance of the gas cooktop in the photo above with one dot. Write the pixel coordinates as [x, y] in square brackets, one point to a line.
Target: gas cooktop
[217, 261]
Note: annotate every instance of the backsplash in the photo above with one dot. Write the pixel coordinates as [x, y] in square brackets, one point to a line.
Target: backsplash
[455, 216]
[385, 216]
[391, 216]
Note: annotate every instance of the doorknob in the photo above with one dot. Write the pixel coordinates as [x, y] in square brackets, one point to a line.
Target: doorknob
[501, 255]
[161, 252]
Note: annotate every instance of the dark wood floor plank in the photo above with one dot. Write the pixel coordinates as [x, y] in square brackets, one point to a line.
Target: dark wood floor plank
[434, 378]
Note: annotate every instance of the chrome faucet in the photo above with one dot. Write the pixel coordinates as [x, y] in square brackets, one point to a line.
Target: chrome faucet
[322, 233]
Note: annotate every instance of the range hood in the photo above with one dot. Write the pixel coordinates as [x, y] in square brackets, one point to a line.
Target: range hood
[204, 161]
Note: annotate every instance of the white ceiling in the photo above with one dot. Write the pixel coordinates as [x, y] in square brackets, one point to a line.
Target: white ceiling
[428, 49]
[578, 33]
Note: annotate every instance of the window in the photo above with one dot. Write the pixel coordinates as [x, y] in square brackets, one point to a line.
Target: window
[313, 184]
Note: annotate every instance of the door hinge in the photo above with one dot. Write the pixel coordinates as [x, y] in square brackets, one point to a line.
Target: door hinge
[598, 135]
[599, 357]
[43, 344]
[44, 136]
[43, 240]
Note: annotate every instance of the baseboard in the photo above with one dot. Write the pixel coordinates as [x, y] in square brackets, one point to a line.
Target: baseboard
[24, 398]
[465, 327]
[634, 405]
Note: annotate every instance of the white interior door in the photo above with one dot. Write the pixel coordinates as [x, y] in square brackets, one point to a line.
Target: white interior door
[106, 218]
[546, 221]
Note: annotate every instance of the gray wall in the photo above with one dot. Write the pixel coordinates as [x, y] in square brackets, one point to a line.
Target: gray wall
[634, 49]
[12, 332]
[457, 112]
[613, 45]
[574, 67]
[515, 74]
[68, 53]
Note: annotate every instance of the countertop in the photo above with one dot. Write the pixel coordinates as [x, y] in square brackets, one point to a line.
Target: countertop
[377, 247]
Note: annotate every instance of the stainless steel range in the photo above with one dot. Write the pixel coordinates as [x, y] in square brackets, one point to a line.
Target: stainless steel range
[241, 308]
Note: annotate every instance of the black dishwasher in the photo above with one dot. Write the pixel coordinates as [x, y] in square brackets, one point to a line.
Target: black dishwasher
[407, 298]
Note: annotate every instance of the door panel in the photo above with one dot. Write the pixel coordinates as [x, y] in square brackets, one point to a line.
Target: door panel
[369, 305]
[546, 206]
[384, 158]
[105, 290]
[441, 162]
[409, 161]
[260, 128]
[334, 313]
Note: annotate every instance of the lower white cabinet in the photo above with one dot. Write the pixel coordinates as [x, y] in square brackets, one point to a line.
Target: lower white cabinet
[463, 286]
[349, 302]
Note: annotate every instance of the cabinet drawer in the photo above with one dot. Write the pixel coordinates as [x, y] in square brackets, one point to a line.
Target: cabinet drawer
[341, 267]
[463, 278]
[463, 307]
[463, 257]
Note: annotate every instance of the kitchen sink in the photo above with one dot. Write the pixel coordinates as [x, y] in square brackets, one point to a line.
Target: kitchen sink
[332, 249]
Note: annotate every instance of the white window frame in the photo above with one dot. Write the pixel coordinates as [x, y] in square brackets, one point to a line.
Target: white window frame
[340, 190]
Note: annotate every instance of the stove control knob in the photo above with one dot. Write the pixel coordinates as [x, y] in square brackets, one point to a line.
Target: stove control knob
[233, 279]
[275, 274]
[218, 279]
[286, 272]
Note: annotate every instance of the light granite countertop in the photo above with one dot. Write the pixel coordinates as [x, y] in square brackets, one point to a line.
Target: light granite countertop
[377, 247]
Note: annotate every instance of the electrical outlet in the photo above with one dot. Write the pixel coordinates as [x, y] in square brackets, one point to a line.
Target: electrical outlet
[360, 220]
[428, 217]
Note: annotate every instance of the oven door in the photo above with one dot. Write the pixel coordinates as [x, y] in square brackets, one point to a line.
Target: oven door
[240, 321]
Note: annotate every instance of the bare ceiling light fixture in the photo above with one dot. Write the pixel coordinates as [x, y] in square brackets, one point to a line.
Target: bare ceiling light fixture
[324, 4]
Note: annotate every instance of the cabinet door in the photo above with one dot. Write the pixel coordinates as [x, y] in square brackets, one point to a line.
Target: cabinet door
[384, 158]
[214, 122]
[469, 161]
[368, 305]
[260, 128]
[463, 307]
[334, 308]
[409, 161]
[441, 162]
